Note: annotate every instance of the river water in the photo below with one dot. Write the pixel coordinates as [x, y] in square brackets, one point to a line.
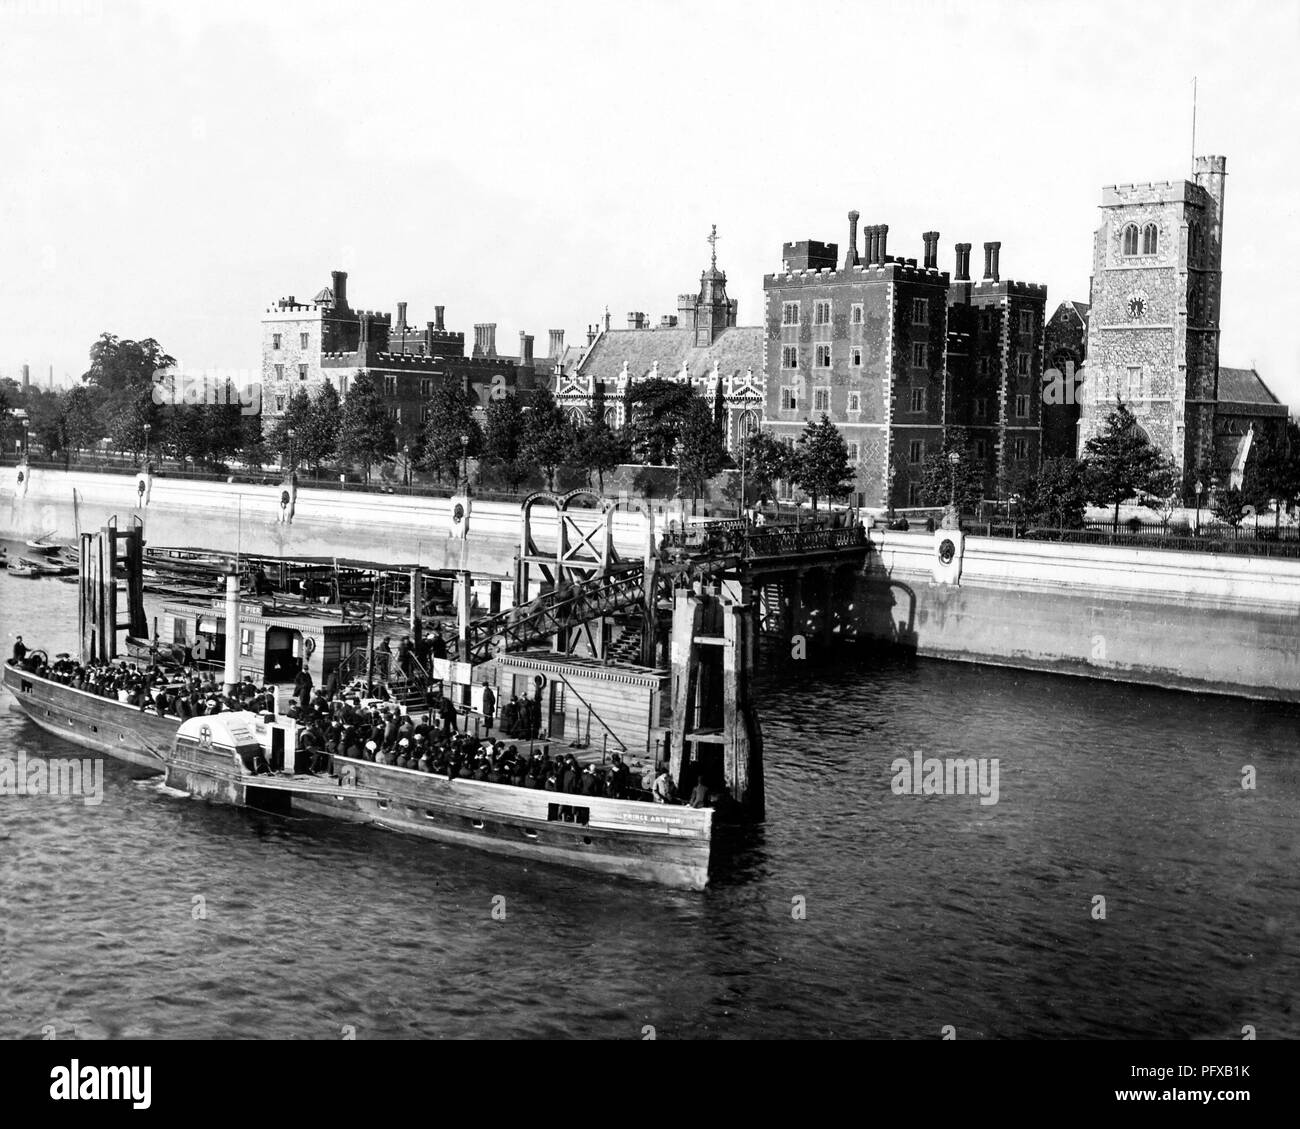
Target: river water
[853, 912]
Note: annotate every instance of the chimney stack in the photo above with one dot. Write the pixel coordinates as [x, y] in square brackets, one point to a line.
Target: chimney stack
[525, 349]
[851, 259]
[340, 289]
[557, 343]
[884, 234]
[931, 250]
[437, 318]
[869, 243]
[401, 316]
[27, 377]
[485, 339]
[606, 319]
[636, 320]
[591, 336]
[991, 260]
[961, 268]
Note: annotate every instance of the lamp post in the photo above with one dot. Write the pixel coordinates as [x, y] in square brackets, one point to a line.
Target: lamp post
[1200, 487]
[26, 439]
[289, 433]
[464, 463]
[406, 465]
[148, 427]
[954, 460]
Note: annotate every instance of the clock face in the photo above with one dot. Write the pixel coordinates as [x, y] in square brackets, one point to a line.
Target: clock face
[1136, 306]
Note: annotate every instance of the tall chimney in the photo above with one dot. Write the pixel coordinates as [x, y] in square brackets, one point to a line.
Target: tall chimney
[869, 243]
[851, 259]
[884, 234]
[340, 289]
[606, 319]
[437, 318]
[401, 316]
[27, 378]
[557, 343]
[429, 332]
[591, 336]
[490, 339]
[991, 260]
[525, 349]
[931, 250]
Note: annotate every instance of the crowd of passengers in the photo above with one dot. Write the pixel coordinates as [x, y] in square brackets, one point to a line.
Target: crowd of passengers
[357, 721]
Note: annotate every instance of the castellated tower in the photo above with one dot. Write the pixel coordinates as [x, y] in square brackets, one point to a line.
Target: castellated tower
[1153, 337]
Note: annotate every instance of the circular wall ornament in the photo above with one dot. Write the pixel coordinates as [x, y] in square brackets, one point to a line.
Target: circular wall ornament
[947, 550]
[1137, 305]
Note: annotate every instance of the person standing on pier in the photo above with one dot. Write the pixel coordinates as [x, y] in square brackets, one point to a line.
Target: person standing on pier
[489, 705]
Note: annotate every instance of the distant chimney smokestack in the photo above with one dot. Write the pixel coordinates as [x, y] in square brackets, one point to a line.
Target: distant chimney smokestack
[525, 349]
[851, 259]
[437, 318]
[485, 339]
[340, 289]
[27, 378]
[931, 250]
[991, 260]
[606, 319]
[884, 234]
[401, 315]
[557, 343]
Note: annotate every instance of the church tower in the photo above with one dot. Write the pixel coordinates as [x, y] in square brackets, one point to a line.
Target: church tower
[1153, 334]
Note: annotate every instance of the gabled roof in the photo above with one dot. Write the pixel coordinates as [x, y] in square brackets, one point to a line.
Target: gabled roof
[1082, 309]
[735, 350]
[1243, 386]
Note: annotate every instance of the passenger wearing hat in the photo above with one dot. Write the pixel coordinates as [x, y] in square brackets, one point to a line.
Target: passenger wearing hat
[665, 792]
[371, 750]
[20, 650]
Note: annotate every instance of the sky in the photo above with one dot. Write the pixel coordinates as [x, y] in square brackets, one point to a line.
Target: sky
[168, 170]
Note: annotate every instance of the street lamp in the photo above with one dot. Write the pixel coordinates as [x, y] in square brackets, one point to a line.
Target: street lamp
[1200, 486]
[464, 462]
[954, 459]
[289, 434]
[406, 464]
[148, 427]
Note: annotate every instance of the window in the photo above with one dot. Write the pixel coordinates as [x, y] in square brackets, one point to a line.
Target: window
[823, 357]
[245, 640]
[1022, 364]
[1134, 389]
[918, 353]
[1022, 405]
[1131, 239]
[1150, 236]
[789, 399]
[821, 313]
[981, 408]
[279, 372]
[914, 494]
[302, 372]
[426, 388]
[179, 632]
[1194, 242]
[916, 451]
[821, 399]
[855, 314]
[397, 415]
[279, 403]
[981, 449]
[986, 319]
[275, 341]
[920, 311]
[1026, 322]
[855, 356]
[390, 385]
[426, 414]
[918, 399]
[789, 356]
[855, 401]
[790, 313]
[302, 340]
[984, 366]
[855, 453]
[1022, 448]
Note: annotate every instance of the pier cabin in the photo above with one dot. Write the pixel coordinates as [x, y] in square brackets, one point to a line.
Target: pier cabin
[275, 642]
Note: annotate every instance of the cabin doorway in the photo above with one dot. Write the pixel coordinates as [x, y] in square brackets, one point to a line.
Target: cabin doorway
[283, 654]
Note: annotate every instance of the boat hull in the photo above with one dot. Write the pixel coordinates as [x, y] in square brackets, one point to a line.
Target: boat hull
[103, 724]
[669, 845]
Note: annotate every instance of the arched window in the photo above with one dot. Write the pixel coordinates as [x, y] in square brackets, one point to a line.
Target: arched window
[746, 423]
[1131, 239]
[611, 417]
[1150, 236]
[577, 417]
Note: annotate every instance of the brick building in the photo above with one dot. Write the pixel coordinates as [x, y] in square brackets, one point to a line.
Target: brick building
[700, 344]
[895, 353]
[1065, 348]
[326, 339]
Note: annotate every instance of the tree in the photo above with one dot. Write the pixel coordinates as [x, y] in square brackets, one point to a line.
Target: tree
[821, 466]
[548, 434]
[1055, 493]
[127, 374]
[656, 411]
[701, 448]
[943, 480]
[1121, 460]
[318, 440]
[503, 439]
[296, 414]
[1163, 489]
[450, 416]
[366, 430]
[765, 460]
[1273, 470]
[1230, 506]
[600, 448]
